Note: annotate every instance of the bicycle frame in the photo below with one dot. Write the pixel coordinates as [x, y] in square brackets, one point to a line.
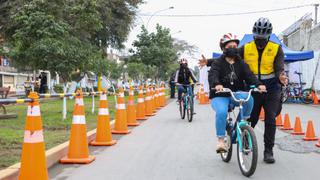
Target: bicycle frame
[241, 120]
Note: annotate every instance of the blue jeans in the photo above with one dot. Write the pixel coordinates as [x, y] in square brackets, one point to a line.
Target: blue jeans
[183, 89]
[221, 104]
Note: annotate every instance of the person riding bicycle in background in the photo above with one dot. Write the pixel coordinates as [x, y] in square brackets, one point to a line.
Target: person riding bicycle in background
[183, 76]
[266, 61]
[229, 71]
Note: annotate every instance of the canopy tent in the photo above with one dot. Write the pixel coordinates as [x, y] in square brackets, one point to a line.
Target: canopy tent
[289, 55]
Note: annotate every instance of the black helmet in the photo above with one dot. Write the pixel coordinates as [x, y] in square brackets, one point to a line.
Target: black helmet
[262, 28]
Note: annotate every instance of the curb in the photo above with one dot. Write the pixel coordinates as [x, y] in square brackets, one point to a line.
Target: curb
[53, 156]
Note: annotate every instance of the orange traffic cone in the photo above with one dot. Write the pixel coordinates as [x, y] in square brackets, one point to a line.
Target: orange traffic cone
[33, 159]
[103, 135]
[148, 104]
[164, 95]
[78, 152]
[131, 110]
[141, 105]
[318, 144]
[161, 96]
[121, 126]
[287, 124]
[262, 114]
[153, 100]
[297, 130]
[315, 98]
[202, 99]
[279, 120]
[310, 135]
[206, 95]
[157, 96]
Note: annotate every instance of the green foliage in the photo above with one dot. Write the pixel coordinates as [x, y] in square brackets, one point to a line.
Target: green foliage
[156, 51]
[63, 36]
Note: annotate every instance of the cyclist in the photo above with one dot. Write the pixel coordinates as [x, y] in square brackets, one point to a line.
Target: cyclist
[183, 76]
[229, 71]
[266, 61]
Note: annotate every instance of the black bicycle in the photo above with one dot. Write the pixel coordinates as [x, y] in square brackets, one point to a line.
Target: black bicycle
[186, 105]
[295, 92]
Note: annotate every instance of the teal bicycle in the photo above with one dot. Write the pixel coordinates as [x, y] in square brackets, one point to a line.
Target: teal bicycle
[186, 105]
[241, 133]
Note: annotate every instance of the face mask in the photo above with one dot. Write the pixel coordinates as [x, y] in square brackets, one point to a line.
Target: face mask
[183, 65]
[261, 43]
[231, 52]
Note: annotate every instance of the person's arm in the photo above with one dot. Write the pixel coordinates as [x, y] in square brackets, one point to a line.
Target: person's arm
[193, 77]
[209, 62]
[214, 73]
[176, 77]
[278, 63]
[250, 78]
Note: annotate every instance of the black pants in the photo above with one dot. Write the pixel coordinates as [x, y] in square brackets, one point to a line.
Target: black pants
[172, 90]
[271, 103]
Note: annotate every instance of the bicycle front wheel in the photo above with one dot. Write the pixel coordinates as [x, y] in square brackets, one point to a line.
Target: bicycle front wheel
[247, 151]
[306, 96]
[182, 109]
[190, 109]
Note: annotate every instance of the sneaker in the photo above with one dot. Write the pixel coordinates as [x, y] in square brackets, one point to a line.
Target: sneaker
[221, 146]
[268, 157]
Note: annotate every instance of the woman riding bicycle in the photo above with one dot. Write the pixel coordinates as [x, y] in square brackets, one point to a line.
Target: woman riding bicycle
[183, 76]
[229, 71]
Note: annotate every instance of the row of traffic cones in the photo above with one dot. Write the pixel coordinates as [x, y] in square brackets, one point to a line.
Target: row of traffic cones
[33, 160]
[297, 129]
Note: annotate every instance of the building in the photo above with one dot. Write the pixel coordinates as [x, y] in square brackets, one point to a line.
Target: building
[304, 35]
[9, 76]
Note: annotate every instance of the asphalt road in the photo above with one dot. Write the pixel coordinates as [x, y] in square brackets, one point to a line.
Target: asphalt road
[167, 148]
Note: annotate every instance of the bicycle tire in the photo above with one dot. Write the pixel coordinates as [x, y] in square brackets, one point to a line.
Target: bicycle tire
[190, 109]
[254, 151]
[306, 96]
[226, 157]
[182, 109]
[284, 95]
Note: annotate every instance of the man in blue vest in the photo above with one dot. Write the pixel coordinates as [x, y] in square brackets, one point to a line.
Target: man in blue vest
[266, 61]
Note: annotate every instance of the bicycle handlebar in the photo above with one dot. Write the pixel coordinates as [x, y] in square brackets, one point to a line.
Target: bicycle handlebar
[227, 90]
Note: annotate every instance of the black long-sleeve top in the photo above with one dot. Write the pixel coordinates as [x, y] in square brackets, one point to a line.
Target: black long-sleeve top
[233, 76]
[272, 84]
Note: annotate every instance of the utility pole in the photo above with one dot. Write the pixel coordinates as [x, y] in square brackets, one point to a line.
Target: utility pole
[316, 13]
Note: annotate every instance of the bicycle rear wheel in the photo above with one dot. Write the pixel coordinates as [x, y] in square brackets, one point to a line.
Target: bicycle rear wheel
[306, 96]
[190, 109]
[248, 154]
[284, 95]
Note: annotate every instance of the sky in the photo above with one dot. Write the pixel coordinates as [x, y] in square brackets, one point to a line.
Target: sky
[205, 32]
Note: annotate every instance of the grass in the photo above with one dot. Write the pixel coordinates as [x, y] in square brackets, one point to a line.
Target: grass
[56, 130]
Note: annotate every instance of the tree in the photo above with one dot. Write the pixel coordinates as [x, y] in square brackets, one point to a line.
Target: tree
[155, 50]
[63, 36]
[183, 47]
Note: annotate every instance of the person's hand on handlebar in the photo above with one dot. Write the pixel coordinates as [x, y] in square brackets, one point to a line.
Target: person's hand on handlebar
[262, 88]
[219, 88]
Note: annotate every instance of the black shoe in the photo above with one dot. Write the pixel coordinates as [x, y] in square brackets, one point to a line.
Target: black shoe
[268, 157]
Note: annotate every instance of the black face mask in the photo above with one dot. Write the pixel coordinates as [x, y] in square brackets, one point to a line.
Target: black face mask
[231, 52]
[183, 65]
[261, 43]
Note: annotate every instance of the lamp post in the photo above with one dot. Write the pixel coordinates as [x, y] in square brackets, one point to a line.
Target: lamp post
[156, 13]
